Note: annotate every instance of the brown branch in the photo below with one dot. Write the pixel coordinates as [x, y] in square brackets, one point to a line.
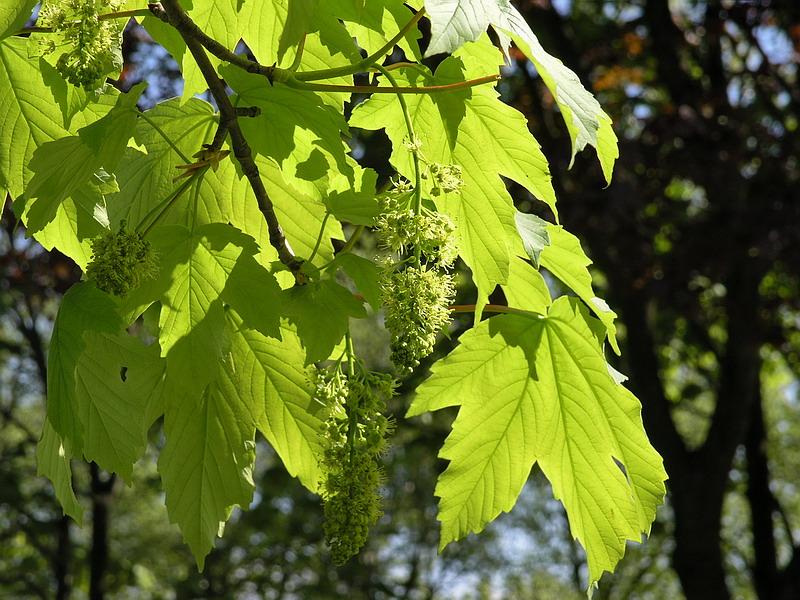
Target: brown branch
[176, 17]
[228, 119]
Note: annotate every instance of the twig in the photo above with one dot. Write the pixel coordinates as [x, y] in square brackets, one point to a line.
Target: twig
[139, 12]
[186, 27]
[241, 150]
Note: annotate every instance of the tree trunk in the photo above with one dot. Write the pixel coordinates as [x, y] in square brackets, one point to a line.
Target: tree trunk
[102, 493]
[697, 557]
[62, 559]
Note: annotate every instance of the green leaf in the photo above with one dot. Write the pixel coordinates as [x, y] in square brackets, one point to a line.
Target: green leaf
[206, 465]
[76, 221]
[565, 259]
[321, 311]
[270, 376]
[62, 166]
[302, 216]
[296, 128]
[365, 274]
[255, 294]
[83, 309]
[455, 22]
[374, 23]
[474, 129]
[13, 16]
[220, 19]
[29, 115]
[534, 235]
[74, 101]
[53, 456]
[538, 390]
[108, 136]
[300, 15]
[353, 199]
[198, 264]
[145, 174]
[116, 375]
[526, 288]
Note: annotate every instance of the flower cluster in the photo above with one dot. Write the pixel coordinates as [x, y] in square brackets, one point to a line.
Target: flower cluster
[446, 178]
[120, 261]
[417, 291]
[416, 301]
[401, 230]
[92, 45]
[353, 438]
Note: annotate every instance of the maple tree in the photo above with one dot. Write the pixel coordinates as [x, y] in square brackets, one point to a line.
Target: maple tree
[229, 265]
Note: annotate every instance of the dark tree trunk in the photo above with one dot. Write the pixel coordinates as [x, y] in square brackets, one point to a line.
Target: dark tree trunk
[697, 557]
[61, 561]
[102, 494]
[762, 507]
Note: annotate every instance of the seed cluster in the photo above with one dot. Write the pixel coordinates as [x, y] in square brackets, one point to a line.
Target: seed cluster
[353, 438]
[92, 45]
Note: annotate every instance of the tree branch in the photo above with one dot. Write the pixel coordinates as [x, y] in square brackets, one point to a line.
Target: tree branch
[228, 117]
[174, 15]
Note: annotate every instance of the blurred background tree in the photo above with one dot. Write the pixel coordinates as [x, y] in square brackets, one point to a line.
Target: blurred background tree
[697, 247]
[699, 239]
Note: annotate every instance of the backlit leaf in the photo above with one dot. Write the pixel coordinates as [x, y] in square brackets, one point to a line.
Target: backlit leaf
[455, 22]
[537, 390]
[565, 259]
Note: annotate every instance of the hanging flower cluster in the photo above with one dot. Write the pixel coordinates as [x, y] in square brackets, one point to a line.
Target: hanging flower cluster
[416, 291]
[353, 439]
[89, 46]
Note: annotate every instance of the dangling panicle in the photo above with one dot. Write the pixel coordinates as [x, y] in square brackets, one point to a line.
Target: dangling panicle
[417, 291]
[353, 439]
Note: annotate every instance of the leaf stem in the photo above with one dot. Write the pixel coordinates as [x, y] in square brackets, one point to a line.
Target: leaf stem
[413, 142]
[408, 65]
[158, 212]
[299, 56]
[160, 131]
[352, 241]
[241, 150]
[363, 65]
[139, 12]
[319, 237]
[352, 426]
[494, 308]
[294, 82]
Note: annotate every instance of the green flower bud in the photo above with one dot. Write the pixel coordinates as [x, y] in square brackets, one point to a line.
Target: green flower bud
[121, 260]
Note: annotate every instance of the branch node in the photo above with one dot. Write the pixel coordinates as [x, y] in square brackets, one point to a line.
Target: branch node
[271, 73]
[158, 11]
[248, 111]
